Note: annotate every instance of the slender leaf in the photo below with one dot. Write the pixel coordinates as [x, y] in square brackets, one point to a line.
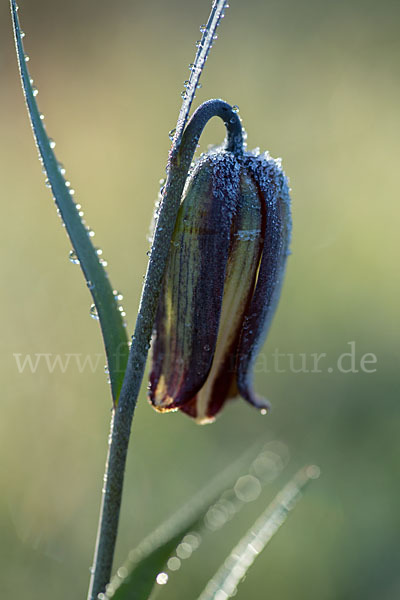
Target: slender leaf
[105, 301]
[209, 510]
[225, 582]
[203, 49]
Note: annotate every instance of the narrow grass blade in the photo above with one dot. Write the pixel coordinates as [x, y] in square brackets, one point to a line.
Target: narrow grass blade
[209, 510]
[105, 301]
[225, 582]
[203, 49]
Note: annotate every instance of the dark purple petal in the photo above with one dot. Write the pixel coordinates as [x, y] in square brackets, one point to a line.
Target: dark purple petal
[188, 316]
[241, 273]
[273, 188]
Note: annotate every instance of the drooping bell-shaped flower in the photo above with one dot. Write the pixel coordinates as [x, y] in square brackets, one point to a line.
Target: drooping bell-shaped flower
[221, 284]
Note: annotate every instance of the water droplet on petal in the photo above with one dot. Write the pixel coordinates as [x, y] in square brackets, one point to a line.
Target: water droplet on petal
[235, 108]
[26, 57]
[171, 135]
[52, 143]
[203, 28]
[35, 91]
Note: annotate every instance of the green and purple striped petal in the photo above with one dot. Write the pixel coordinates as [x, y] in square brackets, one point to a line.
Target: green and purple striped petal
[187, 323]
[243, 261]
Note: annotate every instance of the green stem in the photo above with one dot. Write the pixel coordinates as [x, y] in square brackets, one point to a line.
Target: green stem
[179, 165]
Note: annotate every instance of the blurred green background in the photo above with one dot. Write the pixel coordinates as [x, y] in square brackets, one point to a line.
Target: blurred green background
[318, 84]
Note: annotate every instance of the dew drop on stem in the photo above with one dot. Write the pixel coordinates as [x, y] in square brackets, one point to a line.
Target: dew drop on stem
[73, 257]
[93, 312]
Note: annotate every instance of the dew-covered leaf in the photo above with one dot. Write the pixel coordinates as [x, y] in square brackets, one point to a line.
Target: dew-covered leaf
[226, 580]
[106, 307]
[175, 540]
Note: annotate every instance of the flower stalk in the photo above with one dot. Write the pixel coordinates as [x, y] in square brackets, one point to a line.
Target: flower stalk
[179, 163]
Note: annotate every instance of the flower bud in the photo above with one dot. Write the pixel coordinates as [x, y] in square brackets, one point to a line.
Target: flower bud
[221, 284]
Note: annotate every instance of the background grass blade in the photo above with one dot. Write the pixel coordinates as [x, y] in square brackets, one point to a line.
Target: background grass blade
[225, 582]
[105, 301]
[209, 510]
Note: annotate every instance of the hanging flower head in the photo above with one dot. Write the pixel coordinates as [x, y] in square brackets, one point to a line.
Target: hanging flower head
[222, 282]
